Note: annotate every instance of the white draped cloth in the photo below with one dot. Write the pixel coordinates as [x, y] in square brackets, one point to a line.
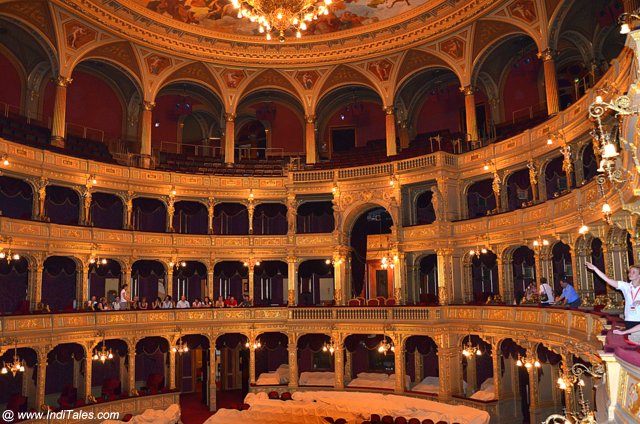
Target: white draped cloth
[310, 408]
[153, 416]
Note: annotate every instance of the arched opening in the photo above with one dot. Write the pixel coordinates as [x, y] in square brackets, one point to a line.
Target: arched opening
[315, 283]
[524, 271]
[556, 179]
[16, 198]
[515, 379]
[59, 278]
[429, 280]
[589, 163]
[269, 284]
[230, 219]
[477, 366]
[107, 211]
[229, 279]
[372, 365]
[233, 366]
[152, 365]
[272, 360]
[370, 242]
[270, 219]
[62, 205]
[189, 281]
[422, 367]
[562, 268]
[192, 368]
[62, 362]
[12, 386]
[148, 279]
[104, 281]
[105, 375]
[484, 274]
[315, 363]
[597, 258]
[425, 211]
[190, 218]
[519, 192]
[351, 128]
[480, 198]
[315, 217]
[14, 280]
[149, 215]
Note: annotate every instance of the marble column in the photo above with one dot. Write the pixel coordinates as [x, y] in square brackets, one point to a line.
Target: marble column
[59, 124]
[146, 123]
[390, 122]
[310, 139]
[229, 137]
[550, 81]
[470, 112]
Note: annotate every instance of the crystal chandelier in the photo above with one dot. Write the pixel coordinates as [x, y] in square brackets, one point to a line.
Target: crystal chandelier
[469, 349]
[280, 15]
[528, 362]
[386, 345]
[7, 254]
[97, 261]
[180, 347]
[539, 243]
[103, 353]
[253, 346]
[330, 347]
[478, 250]
[16, 366]
[388, 261]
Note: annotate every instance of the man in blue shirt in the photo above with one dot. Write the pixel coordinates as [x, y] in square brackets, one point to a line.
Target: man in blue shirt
[569, 296]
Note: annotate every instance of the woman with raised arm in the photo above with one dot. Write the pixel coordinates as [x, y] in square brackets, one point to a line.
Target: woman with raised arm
[630, 291]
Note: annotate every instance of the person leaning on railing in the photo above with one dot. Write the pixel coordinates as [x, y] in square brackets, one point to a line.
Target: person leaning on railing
[630, 291]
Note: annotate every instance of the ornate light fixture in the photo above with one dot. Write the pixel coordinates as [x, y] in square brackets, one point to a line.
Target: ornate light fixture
[97, 261]
[180, 347]
[16, 366]
[528, 362]
[330, 347]
[388, 260]
[478, 250]
[280, 15]
[573, 377]
[607, 138]
[177, 264]
[7, 254]
[333, 261]
[625, 19]
[103, 353]
[606, 213]
[253, 346]
[470, 350]
[386, 345]
[539, 243]
[5, 160]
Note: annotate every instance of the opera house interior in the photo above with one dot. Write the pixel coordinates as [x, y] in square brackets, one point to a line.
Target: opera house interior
[349, 211]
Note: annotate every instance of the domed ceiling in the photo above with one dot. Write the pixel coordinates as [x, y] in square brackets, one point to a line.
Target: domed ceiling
[220, 15]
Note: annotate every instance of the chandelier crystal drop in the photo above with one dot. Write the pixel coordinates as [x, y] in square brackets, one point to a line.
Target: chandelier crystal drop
[280, 15]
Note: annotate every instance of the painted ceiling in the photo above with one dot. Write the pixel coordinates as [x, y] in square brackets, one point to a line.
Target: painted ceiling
[220, 16]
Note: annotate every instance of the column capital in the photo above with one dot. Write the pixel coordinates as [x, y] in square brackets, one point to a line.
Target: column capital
[292, 260]
[388, 110]
[546, 55]
[468, 90]
[230, 117]
[147, 105]
[310, 119]
[61, 81]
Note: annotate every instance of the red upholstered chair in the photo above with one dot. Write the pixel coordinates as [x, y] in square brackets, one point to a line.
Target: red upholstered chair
[362, 301]
[372, 302]
[414, 421]
[273, 395]
[400, 420]
[353, 302]
[442, 422]
[111, 388]
[375, 418]
[155, 382]
[285, 396]
[127, 418]
[381, 300]
[329, 420]
[17, 403]
[387, 419]
[391, 302]
[427, 421]
[340, 421]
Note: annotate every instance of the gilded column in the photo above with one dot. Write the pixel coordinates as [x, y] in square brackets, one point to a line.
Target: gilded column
[565, 367]
[126, 273]
[470, 112]
[497, 368]
[550, 81]
[583, 278]
[390, 122]
[293, 364]
[35, 283]
[82, 289]
[210, 278]
[172, 369]
[399, 275]
[449, 369]
[534, 388]
[212, 375]
[131, 372]
[146, 119]
[400, 366]
[88, 373]
[310, 139]
[472, 375]
[211, 204]
[292, 279]
[251, 267]
[229, 137]
[169, 285]
[42, 376]
[348, 366]
[339, 363]
[505, 278]
[58, 128]
[496, 186]
[418, 365]
[445, 274]
[339, 275]
[252, 365]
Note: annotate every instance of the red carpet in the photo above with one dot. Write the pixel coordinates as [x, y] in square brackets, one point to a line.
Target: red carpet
[195, 412]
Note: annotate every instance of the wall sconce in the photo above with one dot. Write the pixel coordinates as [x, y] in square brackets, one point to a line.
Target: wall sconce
[173, 192]
[626, 19]
[606, 212]
[5, 160]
